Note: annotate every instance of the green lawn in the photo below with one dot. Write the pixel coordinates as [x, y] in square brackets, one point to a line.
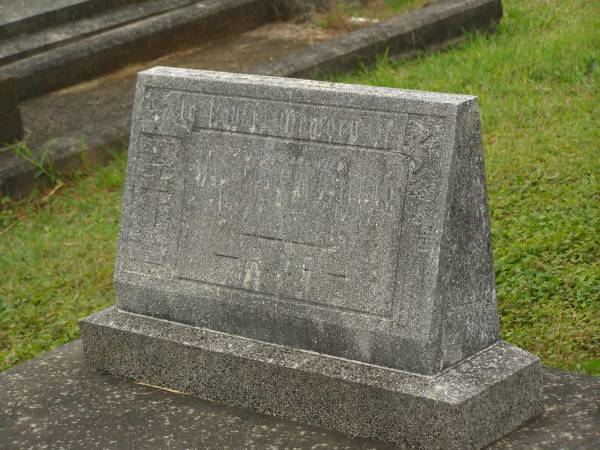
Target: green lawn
[538, 81]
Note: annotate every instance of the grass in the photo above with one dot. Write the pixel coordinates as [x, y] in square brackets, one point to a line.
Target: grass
[56, 261]
[538, 81]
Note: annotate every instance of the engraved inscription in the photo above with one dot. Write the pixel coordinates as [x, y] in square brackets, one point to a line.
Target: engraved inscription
[314, 223]
[421, 138]
[302, 122]
[178, 112]
[293, 201]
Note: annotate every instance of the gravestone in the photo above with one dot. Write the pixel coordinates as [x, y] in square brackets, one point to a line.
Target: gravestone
[315, 251]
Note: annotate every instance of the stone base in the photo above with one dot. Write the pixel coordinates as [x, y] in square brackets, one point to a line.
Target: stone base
[468, 406]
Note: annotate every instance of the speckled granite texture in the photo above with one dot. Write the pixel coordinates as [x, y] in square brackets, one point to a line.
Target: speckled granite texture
[57, 402]
[468, 406]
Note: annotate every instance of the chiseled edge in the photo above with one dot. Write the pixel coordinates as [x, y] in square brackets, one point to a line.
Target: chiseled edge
[312, 85]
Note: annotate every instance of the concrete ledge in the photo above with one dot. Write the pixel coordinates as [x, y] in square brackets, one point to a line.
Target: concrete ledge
[73, 28]
[438, 24]
[27, 17]
[442, 412]
[139, 41]
[11, 127]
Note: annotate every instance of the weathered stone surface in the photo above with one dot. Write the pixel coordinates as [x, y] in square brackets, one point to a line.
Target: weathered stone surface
[24, 16]
[347, 220]
[467, 406]
[79, 26]
[11, 127]
[88, 55]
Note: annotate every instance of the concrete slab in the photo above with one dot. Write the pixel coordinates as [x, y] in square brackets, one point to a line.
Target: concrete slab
[42, 39]
[90, 56]
[24, 16]
[19, 10]
[55, 400]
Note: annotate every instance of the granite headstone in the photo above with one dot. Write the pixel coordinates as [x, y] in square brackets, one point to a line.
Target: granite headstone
[305, 236]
